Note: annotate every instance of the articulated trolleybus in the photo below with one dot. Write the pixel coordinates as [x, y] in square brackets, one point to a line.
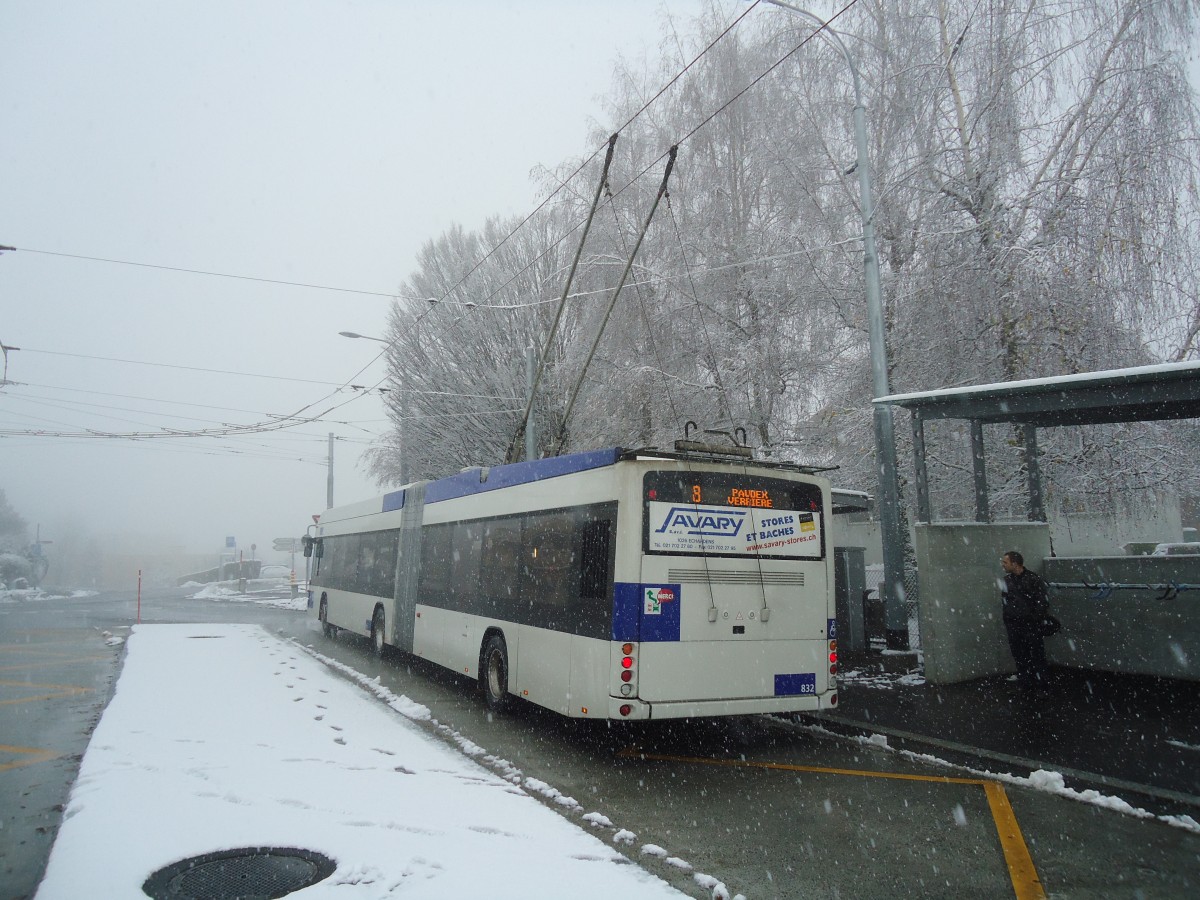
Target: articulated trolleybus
[620, 584]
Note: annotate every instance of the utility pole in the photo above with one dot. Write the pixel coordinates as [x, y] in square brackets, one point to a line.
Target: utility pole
[895, 611]
[329, 483]
[531, 368]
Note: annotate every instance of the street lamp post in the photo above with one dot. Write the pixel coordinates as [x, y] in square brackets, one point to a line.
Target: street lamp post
[895, 615]
[403, 426]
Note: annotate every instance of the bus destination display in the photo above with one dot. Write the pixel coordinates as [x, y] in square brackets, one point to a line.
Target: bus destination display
[731, 515]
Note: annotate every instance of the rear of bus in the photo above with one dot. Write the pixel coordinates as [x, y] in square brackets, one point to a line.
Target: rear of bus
[727, 608]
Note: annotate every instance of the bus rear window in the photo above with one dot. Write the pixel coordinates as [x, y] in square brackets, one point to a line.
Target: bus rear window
[726, 514]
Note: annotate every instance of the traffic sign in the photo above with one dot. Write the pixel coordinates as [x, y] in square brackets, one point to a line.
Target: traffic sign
[287, 545]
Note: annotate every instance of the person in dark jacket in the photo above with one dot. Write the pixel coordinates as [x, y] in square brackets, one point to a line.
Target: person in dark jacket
[1025, 607]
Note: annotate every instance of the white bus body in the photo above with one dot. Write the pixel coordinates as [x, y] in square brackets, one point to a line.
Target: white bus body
[611, 584]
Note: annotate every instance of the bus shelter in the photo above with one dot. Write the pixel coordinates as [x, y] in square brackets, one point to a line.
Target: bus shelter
[961, 631]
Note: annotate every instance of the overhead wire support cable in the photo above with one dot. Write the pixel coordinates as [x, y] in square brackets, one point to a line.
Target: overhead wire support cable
[653, 163]
[662, 190]
[712, 360]
[142, 265]
[645, 106]
[562, 301]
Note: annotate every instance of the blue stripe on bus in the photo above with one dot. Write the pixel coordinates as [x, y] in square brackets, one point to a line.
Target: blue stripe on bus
[393, 501]
[790, 685]
[630, 621]
[467, 483]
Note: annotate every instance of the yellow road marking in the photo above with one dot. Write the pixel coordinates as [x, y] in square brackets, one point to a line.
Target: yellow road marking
[35, 754]
[57, 661]
[1025, 881]
[58, 690]
[749, 764]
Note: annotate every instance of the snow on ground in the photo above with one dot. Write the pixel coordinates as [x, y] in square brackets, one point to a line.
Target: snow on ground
[1041, 780]
[21, 595]
[221, 737]
[265, 592]
[882, 681]
[507, 770]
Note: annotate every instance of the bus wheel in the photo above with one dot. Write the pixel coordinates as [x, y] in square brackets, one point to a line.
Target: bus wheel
[377, 632]
[493, 674]
[330, 631]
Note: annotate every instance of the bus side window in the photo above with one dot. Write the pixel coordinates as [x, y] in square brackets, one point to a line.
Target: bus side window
[365, 567]
[436, 553]
[381, 573]
[594, 549]
[464, 568]
[501, 564]
[548, 556]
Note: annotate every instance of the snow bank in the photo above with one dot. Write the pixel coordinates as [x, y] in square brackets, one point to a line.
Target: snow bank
[222, 736]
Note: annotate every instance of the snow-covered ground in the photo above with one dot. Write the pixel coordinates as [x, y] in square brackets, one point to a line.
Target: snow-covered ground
[221, 737]
[22, 595]
[265, 592]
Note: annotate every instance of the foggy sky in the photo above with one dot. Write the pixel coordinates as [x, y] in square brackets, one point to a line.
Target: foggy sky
[309, 141]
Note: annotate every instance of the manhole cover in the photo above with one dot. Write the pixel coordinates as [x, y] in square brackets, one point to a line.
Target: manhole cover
[252, 873]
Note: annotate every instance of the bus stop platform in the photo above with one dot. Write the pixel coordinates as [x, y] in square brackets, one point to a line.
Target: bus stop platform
[1130, 736]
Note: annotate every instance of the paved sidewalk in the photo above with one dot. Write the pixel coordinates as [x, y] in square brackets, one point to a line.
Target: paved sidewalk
[1134, 736]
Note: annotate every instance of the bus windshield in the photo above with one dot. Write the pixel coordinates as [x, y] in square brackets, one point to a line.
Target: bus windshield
[727, 514]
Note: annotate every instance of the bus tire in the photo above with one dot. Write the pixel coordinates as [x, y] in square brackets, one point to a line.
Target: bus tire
[493, 673]
[330, 631]
[377, 634]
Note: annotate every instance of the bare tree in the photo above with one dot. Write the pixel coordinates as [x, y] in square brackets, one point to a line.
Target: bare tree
[1036, 208]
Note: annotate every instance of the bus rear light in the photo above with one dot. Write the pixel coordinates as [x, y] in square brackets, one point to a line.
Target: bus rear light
[627, 649]
[833, 699]
[833, 669]
[626, 709]
[833, 657]
[627, 662]
[627, 676]
[626, 690]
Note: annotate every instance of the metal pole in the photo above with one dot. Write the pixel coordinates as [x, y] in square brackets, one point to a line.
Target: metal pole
[662, 190]
[924, 508]
[562, 302]
[402, 430]
[979, 473]
[1037, 506]
[329, 482]
[895, 613]
[531, 372]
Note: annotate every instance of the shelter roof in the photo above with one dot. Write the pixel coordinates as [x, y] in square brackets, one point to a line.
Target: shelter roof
[1142, 393]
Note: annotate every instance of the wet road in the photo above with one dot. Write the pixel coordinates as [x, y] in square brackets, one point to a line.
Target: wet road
[771, 807]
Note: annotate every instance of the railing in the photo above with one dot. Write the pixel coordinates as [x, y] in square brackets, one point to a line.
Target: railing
[1104, 589]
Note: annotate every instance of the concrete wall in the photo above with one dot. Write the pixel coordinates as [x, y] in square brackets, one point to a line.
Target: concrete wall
[865, 534]
[1154, 518]
[962, 634]
[1130, 631]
